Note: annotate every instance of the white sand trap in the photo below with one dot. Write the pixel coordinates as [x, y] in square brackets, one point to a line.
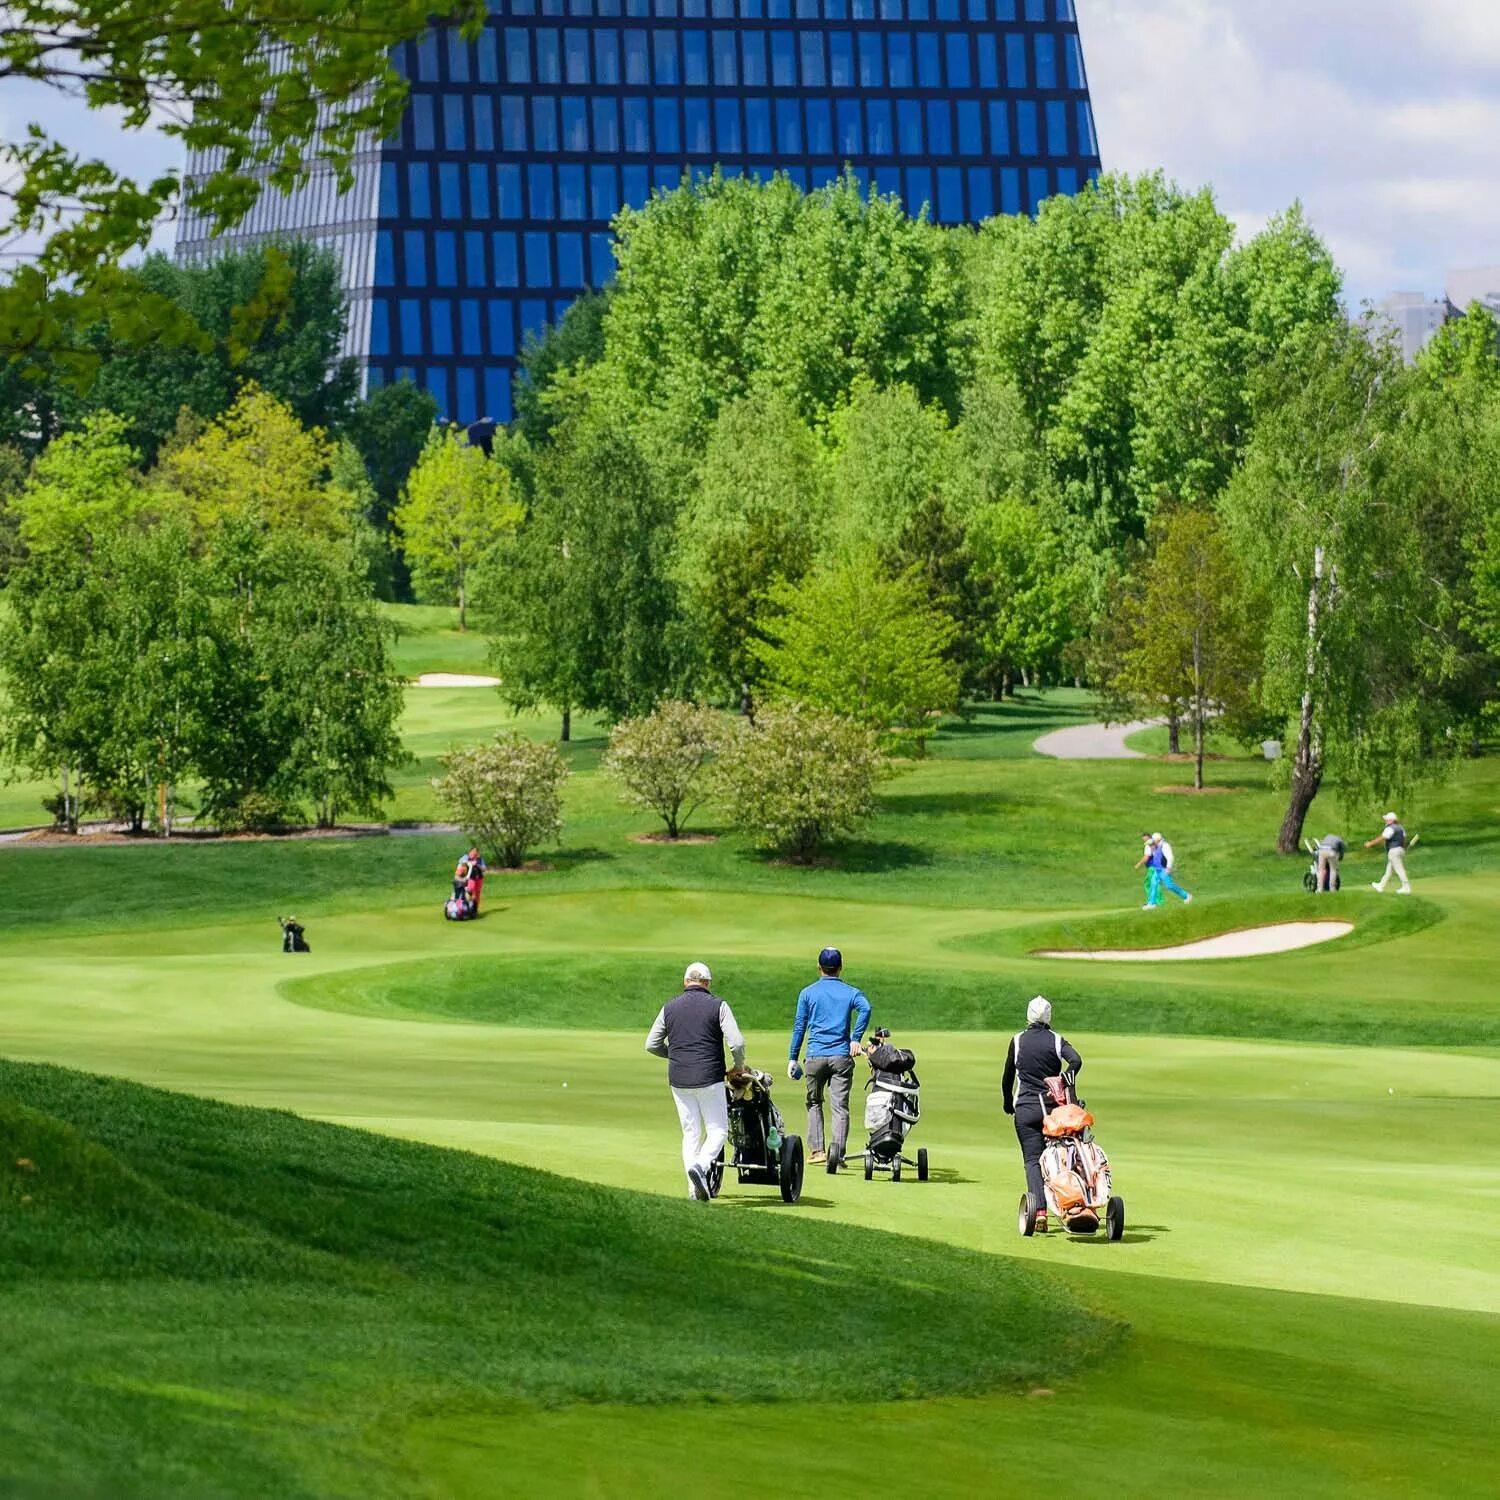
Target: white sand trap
[456, 679]
[1250, 942]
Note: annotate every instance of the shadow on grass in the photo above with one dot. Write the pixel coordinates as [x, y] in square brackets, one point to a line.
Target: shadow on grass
[973, 804]
[775, 1202]
[857, 857]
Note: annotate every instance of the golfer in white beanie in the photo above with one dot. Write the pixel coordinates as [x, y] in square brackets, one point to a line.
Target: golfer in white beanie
[691, 1031]
[1034, 1056]
[1393, 836]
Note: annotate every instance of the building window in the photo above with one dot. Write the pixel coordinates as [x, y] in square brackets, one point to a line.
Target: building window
[445, 258]
[1046, 60]
[513, 123]
[440, 321]
[450, 199]
[463, 380]
[950, 195]
[999, 128]
[697, 139]
[474, 258]
[570, 261]
[637, 60]
[635, 186]
[783, 60]
[758, 125]
[812, 59]
[871, 60]
[418, 202]
[502, 326]
[1015, 60]
[918, 190]
[819, 128]
[753, 58]
[422, 137]
[695, 59]
[604, 192]
[484, 124]
[637, 131]
[878, 126]
[727, 126]
[575, 123]
[411, 326]
[517, 55]
[957, 45]
[388, 206]
[725, 69]
[497, 394]
[668, 135]
[1087, 144]
[455, 135]
[909, 126]
[898, 52]
[503, 244]
[1057, 128]
[489, 67]
[548, 59]
[1038, 189]
[539, 191]
[570, 193]
[850, 137]
[788, 127]
[385, 259]
[939, 128]
[929, 74]
[576, 54]
[1026, 138]
[841, 59]
[664, 56]
[458, 57]
[970, 138]
[544, 123]
[1073, 58]
[981, 193]
[607, 56]
[538, 251]
[606, 125]
[380, 327]
[508, 176]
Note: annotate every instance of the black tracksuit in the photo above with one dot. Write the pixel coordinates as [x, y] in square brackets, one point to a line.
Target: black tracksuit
[1034, 1056]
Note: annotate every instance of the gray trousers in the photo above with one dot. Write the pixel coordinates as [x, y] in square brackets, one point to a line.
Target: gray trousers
[835, 1077]
[1328, 868]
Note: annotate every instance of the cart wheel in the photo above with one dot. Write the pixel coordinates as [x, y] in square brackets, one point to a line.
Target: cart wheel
[1310, 883]
[1026, 1217]
[1114, 1219]
[922, 1164]
[716, 1175]
[895, 1169]
[790, 1175]
[835, 1161]
[869, 1168]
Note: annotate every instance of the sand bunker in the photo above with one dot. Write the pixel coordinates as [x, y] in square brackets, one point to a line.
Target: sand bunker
[455, 679]
[1251, 942]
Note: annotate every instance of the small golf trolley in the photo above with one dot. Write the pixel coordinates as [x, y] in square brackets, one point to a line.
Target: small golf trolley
[1310, 876]
[1075, 1172]
[760, 1149]
[892, 1106]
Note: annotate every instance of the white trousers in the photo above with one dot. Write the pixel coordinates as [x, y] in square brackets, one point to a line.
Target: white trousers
[1395, 860]
[705, 1124]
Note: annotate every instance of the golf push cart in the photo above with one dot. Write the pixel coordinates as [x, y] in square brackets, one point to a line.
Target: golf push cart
[1075, 1172]
[761, 1150]
[893, 1106]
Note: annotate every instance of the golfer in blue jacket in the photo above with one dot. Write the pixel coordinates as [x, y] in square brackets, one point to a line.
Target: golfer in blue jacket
[831, 1017]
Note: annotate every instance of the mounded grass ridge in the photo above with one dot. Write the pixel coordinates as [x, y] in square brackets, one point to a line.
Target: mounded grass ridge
[385, 1279]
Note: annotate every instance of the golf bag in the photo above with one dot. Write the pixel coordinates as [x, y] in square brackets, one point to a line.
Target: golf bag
[458, 909]
[293, 939]
[1075, 1169]
[893, 1105]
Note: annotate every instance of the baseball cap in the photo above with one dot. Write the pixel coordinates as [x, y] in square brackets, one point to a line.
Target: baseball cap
[830, 960]
[697, 974]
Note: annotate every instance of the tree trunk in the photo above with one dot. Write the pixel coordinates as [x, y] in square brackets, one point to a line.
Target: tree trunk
[1025, 678]
[1007, 687]
[1198, 752]
[463, 603]
[567, 725]
[1307, 768]
[1174, 733]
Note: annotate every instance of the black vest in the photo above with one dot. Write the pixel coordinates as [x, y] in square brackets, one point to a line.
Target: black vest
[695, 1040]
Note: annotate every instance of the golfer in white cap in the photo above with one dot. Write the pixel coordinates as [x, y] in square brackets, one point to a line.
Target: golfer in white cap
[1035, 1055]
[1393, 836]
[691, 1031]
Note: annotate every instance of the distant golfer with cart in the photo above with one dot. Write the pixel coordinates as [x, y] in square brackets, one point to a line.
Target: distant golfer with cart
[1034, 1063]
[824, 1012]
[691, 1031]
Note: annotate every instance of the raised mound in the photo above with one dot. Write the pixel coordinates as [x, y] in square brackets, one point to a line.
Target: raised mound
[1247, 942]
[203, 1299]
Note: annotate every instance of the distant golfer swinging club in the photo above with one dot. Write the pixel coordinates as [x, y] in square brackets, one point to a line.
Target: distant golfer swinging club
[690, 1031]
[823, 1010]
[1393, 836]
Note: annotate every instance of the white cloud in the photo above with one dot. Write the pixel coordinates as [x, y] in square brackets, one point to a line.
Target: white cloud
[1381, 116]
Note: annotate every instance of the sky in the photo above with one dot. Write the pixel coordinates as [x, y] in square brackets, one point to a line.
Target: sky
[1382, 116]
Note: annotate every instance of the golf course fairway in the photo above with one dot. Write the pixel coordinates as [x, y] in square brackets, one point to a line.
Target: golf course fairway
[1306, 1300]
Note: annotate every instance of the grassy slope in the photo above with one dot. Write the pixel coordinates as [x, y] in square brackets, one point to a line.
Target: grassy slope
[384, 1279]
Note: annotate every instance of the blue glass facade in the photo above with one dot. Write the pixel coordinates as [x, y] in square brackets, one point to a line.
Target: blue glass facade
[490, 211]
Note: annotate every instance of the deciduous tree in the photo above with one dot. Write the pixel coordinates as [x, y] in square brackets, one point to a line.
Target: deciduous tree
[660, 759]
[506, 796]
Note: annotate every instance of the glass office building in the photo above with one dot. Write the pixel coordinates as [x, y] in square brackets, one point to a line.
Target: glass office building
[490, 211]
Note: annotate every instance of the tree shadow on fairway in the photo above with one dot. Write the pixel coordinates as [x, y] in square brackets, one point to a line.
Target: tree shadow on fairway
[937, 804]
[568, 859]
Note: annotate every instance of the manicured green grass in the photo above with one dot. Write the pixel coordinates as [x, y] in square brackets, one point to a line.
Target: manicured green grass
[1308, 1280]
[386, 1279]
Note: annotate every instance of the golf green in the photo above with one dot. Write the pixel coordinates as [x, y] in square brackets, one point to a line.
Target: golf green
[1307, 1299]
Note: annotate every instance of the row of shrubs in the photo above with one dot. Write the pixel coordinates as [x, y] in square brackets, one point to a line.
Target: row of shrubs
[792, 780]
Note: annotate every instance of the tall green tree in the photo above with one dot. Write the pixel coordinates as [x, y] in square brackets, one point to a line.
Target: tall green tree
[272, 316]
[584, 606]
[756, 518]
[458, 505]
[84, 484]
[270, 93]
[856, 642]
[1357, 655]
[390, 428]
[575, 339]
[1188, 638]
